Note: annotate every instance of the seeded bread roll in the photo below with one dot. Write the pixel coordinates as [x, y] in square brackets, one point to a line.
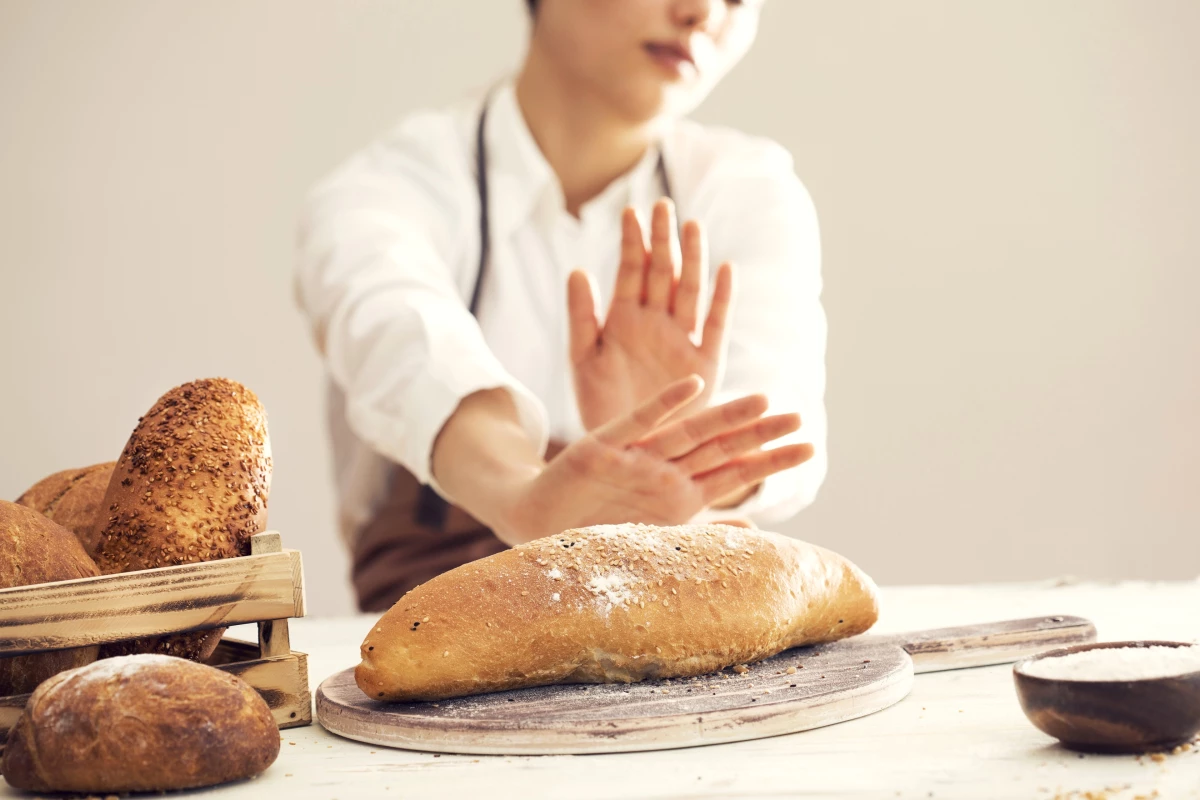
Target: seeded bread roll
[191, 485]
[142, 723]
[613, 604]
[34, 549]
[72, 498]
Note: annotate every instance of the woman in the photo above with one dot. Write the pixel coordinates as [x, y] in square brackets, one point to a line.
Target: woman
[432, 268]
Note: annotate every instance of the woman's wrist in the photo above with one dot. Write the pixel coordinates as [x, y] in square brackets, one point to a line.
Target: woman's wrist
[484, 460]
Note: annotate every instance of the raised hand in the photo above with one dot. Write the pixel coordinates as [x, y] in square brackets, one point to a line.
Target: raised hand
[652, 466]
[651, 334]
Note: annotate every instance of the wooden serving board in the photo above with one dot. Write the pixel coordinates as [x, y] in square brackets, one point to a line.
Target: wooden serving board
[799, 689]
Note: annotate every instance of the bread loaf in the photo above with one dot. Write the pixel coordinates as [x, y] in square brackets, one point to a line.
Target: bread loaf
[613, 603]
[191, 485]
[34, 549]
[140, 724]
[72, 498]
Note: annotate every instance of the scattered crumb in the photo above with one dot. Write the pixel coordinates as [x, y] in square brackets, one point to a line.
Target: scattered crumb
[293, 744]
[1157, 758]
[791, 670]
[741, 669]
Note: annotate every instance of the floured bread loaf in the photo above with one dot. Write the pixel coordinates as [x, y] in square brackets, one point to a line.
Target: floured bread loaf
[143, 723]
[613, 603]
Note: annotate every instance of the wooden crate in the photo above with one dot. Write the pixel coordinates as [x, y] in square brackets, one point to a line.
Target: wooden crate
[265, 587]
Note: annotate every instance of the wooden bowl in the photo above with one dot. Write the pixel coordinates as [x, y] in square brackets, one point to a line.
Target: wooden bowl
[1138, 716]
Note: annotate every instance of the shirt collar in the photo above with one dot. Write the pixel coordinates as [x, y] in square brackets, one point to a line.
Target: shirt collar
[521, 179]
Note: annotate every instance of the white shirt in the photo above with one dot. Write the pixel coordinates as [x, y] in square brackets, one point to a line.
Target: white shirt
[388, 253]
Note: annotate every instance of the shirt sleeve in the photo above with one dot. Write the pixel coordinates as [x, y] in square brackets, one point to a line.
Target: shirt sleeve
[374, 278]
[760, 217]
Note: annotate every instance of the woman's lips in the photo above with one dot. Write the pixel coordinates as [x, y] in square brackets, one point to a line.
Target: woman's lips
[673, 58]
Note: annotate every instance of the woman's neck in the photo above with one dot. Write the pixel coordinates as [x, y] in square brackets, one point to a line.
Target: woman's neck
[586, 143]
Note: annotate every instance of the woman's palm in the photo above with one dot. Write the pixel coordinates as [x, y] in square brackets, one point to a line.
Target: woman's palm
[649, 337]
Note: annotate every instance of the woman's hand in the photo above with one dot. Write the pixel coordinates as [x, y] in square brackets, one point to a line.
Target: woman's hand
[649, 337]
[642, 468]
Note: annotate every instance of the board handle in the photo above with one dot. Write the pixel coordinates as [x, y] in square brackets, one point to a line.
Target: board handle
[991, 642]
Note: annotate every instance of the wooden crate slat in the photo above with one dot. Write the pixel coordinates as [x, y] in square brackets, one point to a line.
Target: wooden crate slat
[111, 608]
[283, 683]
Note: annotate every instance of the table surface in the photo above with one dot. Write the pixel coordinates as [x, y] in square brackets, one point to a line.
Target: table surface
[958, 734]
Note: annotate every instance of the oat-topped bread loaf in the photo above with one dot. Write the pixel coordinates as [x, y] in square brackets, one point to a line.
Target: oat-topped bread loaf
[34, 549]
[72, 498]
[140, 724]
[191, 485]
[613, 603]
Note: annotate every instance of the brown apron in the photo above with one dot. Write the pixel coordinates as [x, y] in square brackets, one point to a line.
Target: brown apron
[396, 551]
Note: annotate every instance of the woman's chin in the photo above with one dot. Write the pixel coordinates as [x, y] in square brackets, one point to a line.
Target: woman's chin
[654, 99]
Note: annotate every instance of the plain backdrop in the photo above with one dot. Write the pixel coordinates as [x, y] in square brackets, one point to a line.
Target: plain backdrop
[1010, 202]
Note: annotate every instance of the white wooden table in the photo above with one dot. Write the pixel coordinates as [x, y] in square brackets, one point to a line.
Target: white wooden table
[958, 735]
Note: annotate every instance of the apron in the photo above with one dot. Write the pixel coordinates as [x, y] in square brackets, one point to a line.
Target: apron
[414, 534]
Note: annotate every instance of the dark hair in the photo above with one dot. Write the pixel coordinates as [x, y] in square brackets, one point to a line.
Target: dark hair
[532, 6]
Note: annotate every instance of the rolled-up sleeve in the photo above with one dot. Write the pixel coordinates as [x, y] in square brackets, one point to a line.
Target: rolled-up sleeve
[760, 217]
[375, 279]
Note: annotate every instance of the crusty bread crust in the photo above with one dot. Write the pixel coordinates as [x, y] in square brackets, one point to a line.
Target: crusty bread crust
[138, 724]
[191, 485]
[34, 549]
[617, 603]
[72, 498]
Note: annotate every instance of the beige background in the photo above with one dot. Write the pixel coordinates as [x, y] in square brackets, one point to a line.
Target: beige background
[1009, 193]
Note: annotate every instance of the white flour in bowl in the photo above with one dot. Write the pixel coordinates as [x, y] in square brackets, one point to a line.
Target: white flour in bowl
[1117, 664]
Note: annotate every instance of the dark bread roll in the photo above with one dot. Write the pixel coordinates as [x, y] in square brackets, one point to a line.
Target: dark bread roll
[191, 485]
[140, 724]
[72, 498]
[34, 549]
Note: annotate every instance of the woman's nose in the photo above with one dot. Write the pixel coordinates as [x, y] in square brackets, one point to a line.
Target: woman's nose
[698, 13]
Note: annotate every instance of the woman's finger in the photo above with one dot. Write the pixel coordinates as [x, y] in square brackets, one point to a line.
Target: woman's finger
[741, 441]
[683, 436]
[664, 256]
[750, 470]
[737, 522]
[582, 316]
[691, 277]
[631, 274]
[628, 429]
[716, 326]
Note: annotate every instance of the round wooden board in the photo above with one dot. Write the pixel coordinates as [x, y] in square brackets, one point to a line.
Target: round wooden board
[832, 683]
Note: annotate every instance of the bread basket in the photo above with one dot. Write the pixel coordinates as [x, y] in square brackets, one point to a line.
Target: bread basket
[265, 587]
